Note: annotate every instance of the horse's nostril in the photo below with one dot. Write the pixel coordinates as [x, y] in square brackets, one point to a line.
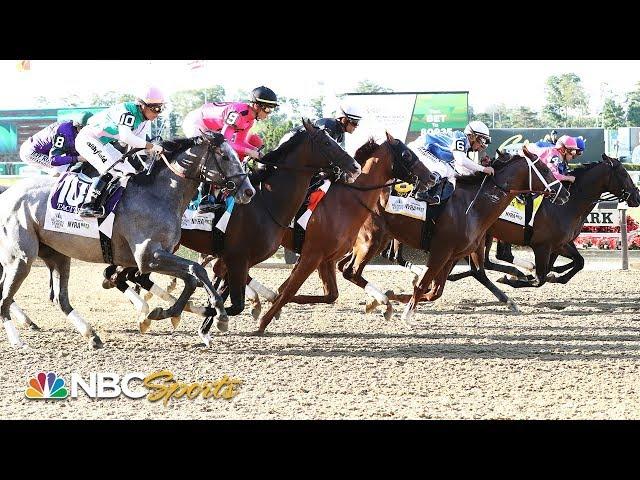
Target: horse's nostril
[249, 193]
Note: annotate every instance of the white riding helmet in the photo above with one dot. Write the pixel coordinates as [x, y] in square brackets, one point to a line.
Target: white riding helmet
[478, 128]
[350, 111]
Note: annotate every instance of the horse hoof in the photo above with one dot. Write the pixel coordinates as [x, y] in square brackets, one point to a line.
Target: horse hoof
[415, 280]
[144, 325]
[255, 312]
[148, 296]
[257, 333]
[371, 305]
[513, 307]
[223, 324]
[205, 337]
[175, 321]
[107, 284]
[503, 279]
[276, 316]
[155, 314]
[33, 326]
[172, 286]
[95, 342]
[388, 312]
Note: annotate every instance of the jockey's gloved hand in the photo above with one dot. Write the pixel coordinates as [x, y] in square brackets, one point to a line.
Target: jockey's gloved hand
[157, 149]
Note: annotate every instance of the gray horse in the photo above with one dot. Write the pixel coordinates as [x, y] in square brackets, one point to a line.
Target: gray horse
[146, 229]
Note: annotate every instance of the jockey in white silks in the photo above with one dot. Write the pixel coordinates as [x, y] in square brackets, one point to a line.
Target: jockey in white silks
[446, 154]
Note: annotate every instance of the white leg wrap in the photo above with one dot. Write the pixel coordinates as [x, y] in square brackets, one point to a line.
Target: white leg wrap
[137, 301]
[12, 333]
[251, 294]
[190, 307]
[159, 292]
[18, 315]
[416, 269]
[526, 264]
[372, 290]
[80, 323]
[262, 290]
[407, 314]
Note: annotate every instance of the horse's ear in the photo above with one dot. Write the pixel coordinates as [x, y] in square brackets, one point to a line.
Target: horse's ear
[531, 156]
[307, 124]
[608, 159]
[390, 138]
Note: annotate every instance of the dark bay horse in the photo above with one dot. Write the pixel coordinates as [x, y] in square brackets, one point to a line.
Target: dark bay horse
[145, 231]
[555, 227]
[255, 231]
[476, 203]
[335, 223]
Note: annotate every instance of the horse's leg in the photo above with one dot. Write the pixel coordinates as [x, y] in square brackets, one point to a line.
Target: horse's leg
[60, 266]
[361, 255]
[480, 275]
[12, 275]
[21, 318]
[153, 258]
[543, 254]
[569, 250]
[498, 267]
[327, 272]
[236, 284]
[305, 266]
[564, 252]
[438, 261]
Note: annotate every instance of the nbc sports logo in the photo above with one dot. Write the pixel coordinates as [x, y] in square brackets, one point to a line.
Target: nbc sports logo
[46, 385]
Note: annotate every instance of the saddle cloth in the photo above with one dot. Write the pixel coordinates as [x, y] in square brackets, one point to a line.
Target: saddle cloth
[67, 195]
[514, 212]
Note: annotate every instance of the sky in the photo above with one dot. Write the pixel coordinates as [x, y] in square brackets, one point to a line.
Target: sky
[513, 82]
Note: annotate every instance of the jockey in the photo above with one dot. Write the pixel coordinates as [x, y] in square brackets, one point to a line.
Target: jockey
[127, 123]
[233, 120]
[53, 148]
[558, 156]
[446, 154]
[347, 118]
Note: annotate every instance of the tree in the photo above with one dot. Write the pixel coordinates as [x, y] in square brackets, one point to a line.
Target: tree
[633, 107]
[109, 98]
[367, 86]
[524, 117]
[184, 101]
[272, 130]
[612, 114]
[565, 99]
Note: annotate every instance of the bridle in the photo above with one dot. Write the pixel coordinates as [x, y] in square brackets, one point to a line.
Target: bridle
[226, 183]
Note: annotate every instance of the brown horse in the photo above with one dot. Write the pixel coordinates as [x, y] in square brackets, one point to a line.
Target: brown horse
[335, 223]
[475, 204]
[556, 227]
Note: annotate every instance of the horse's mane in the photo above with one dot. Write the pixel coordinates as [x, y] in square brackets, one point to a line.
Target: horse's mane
[172, 149]
[582, 169]
[274, 156]
[364, 152]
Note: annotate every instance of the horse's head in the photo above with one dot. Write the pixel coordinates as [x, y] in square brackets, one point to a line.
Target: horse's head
[330, 153]
[406, 165]
[210, 158]
[517, 172]
[620, 182]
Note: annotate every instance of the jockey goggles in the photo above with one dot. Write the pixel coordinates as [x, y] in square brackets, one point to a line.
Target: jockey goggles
[155, 107]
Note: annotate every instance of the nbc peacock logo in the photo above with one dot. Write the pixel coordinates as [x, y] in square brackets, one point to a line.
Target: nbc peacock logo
[47, 385]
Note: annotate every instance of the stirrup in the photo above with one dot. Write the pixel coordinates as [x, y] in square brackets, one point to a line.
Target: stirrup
[92, 211]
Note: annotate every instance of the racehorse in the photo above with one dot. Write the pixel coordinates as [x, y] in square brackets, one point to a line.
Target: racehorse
[336, 220]
[254, 231]
[474, 206]
[556, 227]
[145, 230]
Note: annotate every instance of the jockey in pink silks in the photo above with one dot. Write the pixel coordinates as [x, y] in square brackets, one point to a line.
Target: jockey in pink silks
[233, 120]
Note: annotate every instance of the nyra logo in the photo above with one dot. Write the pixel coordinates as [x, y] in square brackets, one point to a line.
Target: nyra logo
[46, 386]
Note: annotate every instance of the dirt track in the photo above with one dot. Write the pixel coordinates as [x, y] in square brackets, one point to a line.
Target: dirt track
[571, 357]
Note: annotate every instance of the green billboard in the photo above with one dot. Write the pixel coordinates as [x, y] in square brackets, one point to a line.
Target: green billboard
[437, 112]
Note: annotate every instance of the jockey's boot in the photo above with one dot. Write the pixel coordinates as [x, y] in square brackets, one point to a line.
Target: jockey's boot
[207, 204]
[92, 206]
[425, 196]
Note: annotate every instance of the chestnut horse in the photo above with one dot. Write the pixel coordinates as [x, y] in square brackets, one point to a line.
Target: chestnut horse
[335, 222]
[474, 206]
